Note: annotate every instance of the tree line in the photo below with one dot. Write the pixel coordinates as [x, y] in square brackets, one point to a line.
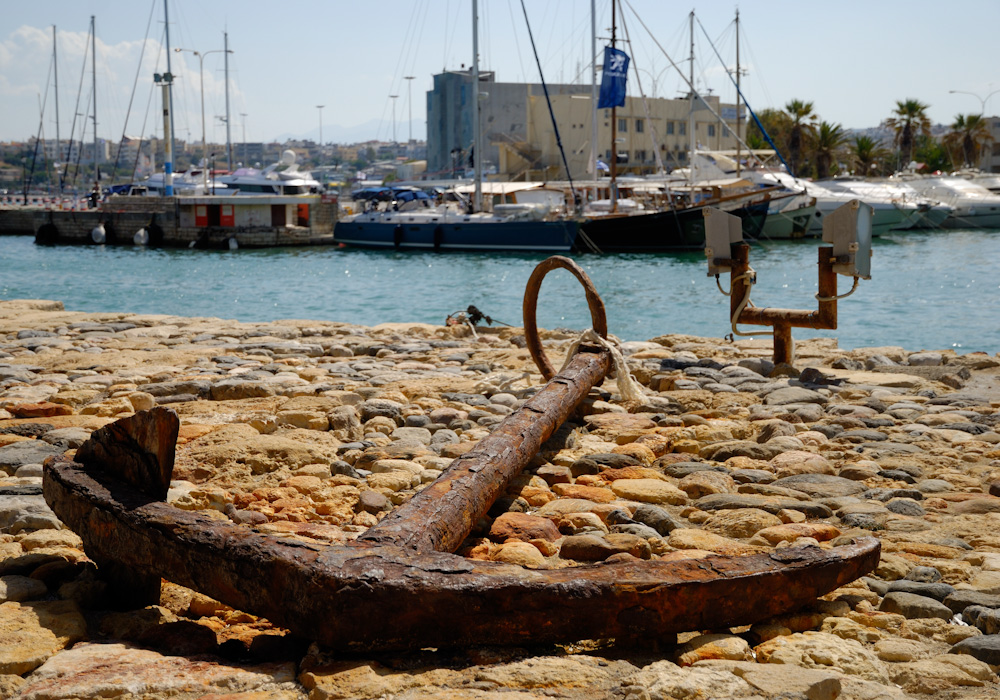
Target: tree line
[819, 149]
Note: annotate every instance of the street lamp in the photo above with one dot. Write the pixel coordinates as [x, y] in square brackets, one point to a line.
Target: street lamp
[320, 108]
[244, 115]
[409, 105]
[201, 76]
[393, 98]
[982, 100]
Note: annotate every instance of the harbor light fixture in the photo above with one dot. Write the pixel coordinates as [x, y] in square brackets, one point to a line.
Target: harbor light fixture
[201, 77]
[982, 100]
[320, 108]
[409, 105]
[393, 98]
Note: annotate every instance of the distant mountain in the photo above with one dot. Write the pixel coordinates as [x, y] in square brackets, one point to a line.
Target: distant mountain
[369, 131]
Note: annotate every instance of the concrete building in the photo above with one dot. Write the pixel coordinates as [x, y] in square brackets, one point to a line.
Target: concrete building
[520, 142]
[991, 152]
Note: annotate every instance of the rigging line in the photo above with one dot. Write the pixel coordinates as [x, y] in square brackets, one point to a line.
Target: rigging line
[517, 44]
[41, 124]
[149, 102]
[645, 104]
[76, 108]
[767, 137]
[555, 126]
[704, 103]
[79, 150]
[135, 84]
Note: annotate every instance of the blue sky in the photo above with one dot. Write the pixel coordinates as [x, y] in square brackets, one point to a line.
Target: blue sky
[852, 59]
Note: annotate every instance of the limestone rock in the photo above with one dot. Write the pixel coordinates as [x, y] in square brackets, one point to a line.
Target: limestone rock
[649, 491]
[740, 522]
[663, 680]
[117, 670]
[824, 651]
[32, 632]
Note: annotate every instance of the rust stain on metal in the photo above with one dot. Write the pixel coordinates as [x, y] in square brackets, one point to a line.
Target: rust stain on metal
[399, 586]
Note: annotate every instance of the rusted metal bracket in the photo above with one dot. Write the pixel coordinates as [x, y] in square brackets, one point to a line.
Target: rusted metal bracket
[783, 320]
[398, 586]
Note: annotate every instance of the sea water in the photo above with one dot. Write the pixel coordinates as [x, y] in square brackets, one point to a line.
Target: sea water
[929, 290]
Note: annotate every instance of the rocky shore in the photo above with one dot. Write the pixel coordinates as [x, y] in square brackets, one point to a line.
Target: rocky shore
[315, 430]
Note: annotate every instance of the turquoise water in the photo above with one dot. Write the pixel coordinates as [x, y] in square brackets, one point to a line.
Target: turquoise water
[933, 290]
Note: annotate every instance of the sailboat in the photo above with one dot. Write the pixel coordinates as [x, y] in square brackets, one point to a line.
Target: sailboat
[409, 226]
[680, 225]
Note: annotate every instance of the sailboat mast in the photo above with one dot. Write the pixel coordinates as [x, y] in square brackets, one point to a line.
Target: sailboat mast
[738, 138]
[229, 140]
[477, 151]
[168, 175]
[691, 100]
[55, 68]
[614, 127]
[93, 75]
[593, 91]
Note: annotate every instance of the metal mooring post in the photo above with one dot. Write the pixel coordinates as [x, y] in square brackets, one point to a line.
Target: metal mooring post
[783, 320]
[848, 229]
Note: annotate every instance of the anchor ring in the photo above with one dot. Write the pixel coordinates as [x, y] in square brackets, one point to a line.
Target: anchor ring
[597, 314]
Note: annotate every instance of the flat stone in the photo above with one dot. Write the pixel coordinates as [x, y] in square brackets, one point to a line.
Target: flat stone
[20, 588]
[714, 646]
[986, 648]
[929, 676]
[649, 491]
[986, 620]
[722, 451]
[778, 680]
[520, 526]
[821, 485]
[823, 651]
[911, 605]
[24, 452]
[741, 522]
[32, 632]
[657, 518]
[106, 670]
[792, 395]
[958, 601]
[726, 501]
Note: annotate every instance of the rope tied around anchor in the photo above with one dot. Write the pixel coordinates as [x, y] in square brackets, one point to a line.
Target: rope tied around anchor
[632, 392]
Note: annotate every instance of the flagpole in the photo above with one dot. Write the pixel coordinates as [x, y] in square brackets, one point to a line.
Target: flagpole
[614, 128]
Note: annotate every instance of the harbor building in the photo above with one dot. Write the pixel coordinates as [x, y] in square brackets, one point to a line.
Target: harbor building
[520, 142]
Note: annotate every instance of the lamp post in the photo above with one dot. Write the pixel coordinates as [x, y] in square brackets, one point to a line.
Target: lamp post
[393, 98]
[982, 100]
[409, 106]
[320, 108]
[244, 115]
[201, 77]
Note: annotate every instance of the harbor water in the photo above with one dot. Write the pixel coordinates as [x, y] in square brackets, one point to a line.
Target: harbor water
[933, 290]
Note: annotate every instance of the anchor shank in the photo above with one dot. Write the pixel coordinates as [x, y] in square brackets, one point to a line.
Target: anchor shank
[441, 516]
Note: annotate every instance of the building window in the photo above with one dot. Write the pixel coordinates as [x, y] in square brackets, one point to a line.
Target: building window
[683, 129]
[639, 126]
[607, 154]
[711, 129]
[640, 156]
[670, 128]
[622, 126]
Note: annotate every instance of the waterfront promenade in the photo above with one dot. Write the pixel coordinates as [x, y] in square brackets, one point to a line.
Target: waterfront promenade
[314, 430]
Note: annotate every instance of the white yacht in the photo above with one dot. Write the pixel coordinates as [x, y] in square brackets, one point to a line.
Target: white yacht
[185, 184]
[974, 206]
[919, 212]
[886, 214]
[283, 177]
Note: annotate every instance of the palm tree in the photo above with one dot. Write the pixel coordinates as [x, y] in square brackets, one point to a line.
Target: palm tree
[865, 152]
[909, 119]
[802, 128]
[829, 140]
[970, 133]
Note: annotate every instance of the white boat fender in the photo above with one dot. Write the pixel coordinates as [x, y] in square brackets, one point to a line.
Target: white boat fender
[98, 235]
[141, 237]
[233, 244]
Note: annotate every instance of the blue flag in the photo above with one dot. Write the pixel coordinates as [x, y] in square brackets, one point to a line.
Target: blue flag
[613, 79]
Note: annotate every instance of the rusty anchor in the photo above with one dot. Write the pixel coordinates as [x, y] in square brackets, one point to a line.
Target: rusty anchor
[399, 586]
